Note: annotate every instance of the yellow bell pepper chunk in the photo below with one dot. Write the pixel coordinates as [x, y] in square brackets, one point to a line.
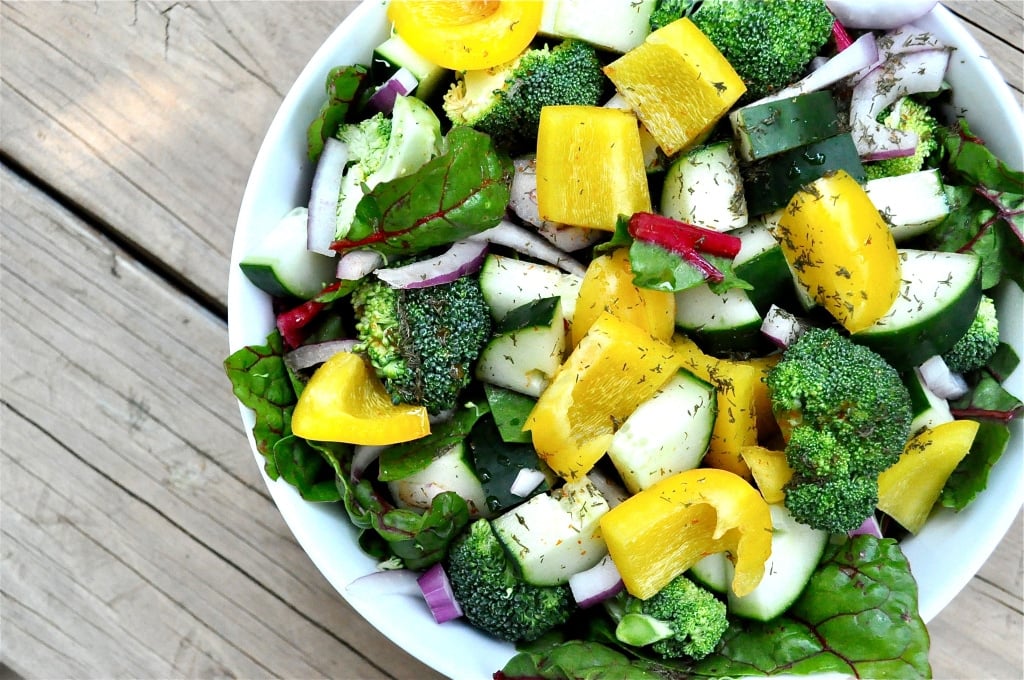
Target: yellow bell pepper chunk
[466, 34]
[344, 401]
[770, 470]
[667, 528]
[841, 250]
[590, 166]
[608, 287]
[678, 83]
[735, 386]
[767, 426]
[615, 367]
[908, 490]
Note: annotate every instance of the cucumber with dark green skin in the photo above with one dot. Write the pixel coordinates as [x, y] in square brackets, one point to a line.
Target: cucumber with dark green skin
[770, 183]
[497, 464]
[281, 265]
[938, 299]
[704, 187]
[719, 323]
[527, 349]
[928, 408]
[394, 53]
[763, 265]
[763, 130]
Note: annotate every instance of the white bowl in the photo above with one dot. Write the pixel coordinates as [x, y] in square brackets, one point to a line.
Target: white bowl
[944, 556]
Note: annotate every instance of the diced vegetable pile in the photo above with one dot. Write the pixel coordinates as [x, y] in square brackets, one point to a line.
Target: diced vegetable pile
[646, 331]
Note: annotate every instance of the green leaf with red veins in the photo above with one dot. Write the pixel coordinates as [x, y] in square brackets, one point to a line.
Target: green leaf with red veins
[460, 193]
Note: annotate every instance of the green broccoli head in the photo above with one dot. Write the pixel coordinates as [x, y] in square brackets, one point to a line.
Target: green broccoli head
[667, 11]
[493, 597]
[367, 141]
[908, 115]
[979, 343]
[847, 415]
[682, 619]
[422, 341]
[767, 42]
[505, 101]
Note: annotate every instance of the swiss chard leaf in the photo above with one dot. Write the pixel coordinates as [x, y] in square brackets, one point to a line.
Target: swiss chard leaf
[345, 86]
[418, 538]
[971, 475]
[261, 381]
[462, 192]
[510, 410]
[403, 460]
[986, 211]
[304, 467]
[857, 616]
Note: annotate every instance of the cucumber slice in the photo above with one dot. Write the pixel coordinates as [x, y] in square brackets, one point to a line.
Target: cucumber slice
[281, 266]
[528, 348]
[719, 322]
[508, 283]
[394, 53]
[453, 470]
[762, 264]
[928, 408]
[497, 463]
[714, 572]
[555, 535]
[938, 299]
[770, 183]
[796, 551]
[609, 24]
[763, 130]
[910, 204]
[666, 434]
[703, 187]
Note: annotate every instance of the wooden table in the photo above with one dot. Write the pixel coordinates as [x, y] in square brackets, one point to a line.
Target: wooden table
[138, 537]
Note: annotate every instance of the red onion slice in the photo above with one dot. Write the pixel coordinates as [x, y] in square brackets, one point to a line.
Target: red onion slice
[307, 356]
[401, 83]
[323, 196]
[437, 591]
[513, 236]
[861, 54]
[940, 380]
[781, 327]
[591, 586]
[463, 257]
[355, 264]
[869, 526]
[899, 76]
[879, 14]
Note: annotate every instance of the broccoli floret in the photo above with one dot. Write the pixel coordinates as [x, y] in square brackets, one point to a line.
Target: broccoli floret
[367, 141]
[979, 343]
[505, 101]
[682, 619]
[422, 341]
[767, 42]
[493, 597]
[847, 415]
[909, 115]
[667, 11]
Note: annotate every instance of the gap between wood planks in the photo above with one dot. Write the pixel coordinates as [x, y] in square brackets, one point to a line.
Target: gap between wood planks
[131, 249]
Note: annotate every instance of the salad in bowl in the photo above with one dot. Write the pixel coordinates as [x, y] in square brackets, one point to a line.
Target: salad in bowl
[617, 342]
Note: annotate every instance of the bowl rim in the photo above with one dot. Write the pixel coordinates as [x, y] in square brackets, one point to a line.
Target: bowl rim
[284, 153]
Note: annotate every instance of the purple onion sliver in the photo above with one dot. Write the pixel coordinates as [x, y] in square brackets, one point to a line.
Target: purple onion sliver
[323, 197]
[463, 257]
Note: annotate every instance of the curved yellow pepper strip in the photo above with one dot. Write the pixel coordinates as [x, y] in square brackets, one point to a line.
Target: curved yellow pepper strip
[665, 529]
[466, 35]
[344, 401]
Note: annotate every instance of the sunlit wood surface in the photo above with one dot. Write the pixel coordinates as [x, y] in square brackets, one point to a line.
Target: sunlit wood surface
[138, 539]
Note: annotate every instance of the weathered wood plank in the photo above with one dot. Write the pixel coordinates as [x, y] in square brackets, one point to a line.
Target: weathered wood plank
[149, 114]
[998, 29]
[138, 538]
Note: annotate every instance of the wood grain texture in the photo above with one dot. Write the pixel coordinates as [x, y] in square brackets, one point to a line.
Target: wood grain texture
[139, 540]
[149, 115]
